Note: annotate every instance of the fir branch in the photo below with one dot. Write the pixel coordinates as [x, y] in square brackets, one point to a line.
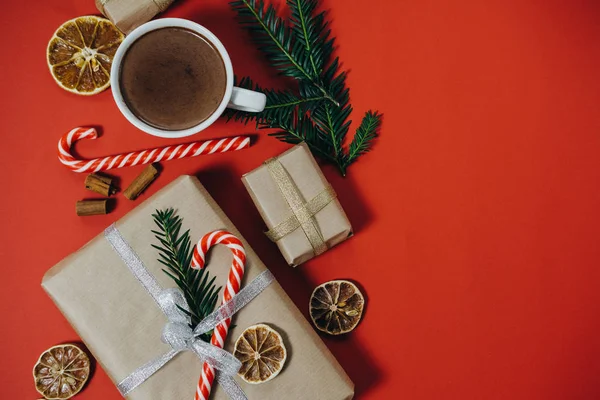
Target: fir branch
[287, 112]
[275, 40]
[310, 31]
[301, 48]
[302, 129]
[333, 120]
[364, 137]
[280, 104]
[175, 253]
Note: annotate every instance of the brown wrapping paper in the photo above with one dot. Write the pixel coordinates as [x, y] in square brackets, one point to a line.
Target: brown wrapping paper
[272, 206]
[121, 325]
[129, 14]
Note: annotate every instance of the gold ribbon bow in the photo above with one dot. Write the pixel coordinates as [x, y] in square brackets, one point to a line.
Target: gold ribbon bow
[303, 212]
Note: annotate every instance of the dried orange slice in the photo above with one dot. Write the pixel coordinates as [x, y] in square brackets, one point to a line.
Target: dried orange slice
[61, 372]
[336, 307]
[81, 52]
[262, 353]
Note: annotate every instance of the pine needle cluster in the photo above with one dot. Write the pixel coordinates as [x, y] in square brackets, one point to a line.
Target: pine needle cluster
[175, 252]
[318, 112]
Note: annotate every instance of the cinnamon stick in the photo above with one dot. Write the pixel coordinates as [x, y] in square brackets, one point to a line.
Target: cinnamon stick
[91, 207]
[141, 182]
[101, 184]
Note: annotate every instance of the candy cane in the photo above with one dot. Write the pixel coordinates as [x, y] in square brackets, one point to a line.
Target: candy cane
[234, 282]
[141, 157]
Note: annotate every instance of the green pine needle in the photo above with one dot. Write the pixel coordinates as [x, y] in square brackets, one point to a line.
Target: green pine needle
[311, 32]
[319, 113]
[301, 129]
[281, 105]
[365, 135]
[175, 253]
[276, 40]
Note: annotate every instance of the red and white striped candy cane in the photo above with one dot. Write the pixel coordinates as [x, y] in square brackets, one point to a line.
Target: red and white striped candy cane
[234, 283]
[141, 157]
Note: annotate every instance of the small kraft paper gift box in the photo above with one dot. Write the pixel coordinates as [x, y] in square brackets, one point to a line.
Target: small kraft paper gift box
[121, 324]
[129, 14]
[299, 207]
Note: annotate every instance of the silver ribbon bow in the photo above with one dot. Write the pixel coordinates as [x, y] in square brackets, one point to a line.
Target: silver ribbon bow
[177, 332]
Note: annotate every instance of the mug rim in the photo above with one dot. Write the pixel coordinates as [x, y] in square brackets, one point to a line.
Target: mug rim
[152, 26]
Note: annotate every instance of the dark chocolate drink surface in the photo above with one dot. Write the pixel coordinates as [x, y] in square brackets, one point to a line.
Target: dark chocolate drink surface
[172, 78]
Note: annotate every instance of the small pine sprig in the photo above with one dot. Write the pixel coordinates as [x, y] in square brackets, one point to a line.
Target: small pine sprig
[333, 119]
[312, 32]
[280, 105]
[175, 253]
[302, 129]
[365, 134]
[301, 48]
[287, 112]
[276, 40]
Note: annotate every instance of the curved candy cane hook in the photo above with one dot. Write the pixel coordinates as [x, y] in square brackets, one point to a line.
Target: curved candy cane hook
[192, 149]
[234, 283]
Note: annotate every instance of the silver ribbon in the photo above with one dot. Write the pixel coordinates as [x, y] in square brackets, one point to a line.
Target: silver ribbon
[177, 332]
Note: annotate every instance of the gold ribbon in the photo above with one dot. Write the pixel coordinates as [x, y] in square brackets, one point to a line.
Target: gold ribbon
[161, 4]
[303, 213]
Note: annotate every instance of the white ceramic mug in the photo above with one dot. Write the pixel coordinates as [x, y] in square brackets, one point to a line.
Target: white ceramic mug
[235, 97]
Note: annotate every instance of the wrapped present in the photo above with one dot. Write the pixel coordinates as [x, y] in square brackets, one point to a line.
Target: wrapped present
[299, 207]
[119, 322]
[129, 14]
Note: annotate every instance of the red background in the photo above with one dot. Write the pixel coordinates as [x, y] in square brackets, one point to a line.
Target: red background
[476, 214]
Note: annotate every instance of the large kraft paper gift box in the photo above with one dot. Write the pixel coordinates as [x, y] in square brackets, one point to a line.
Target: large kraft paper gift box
[121, 325]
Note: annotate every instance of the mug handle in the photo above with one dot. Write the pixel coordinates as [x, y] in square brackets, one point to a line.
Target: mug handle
[247, 100]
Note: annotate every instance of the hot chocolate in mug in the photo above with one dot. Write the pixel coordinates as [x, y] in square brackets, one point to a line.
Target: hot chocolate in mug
[172, 78]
